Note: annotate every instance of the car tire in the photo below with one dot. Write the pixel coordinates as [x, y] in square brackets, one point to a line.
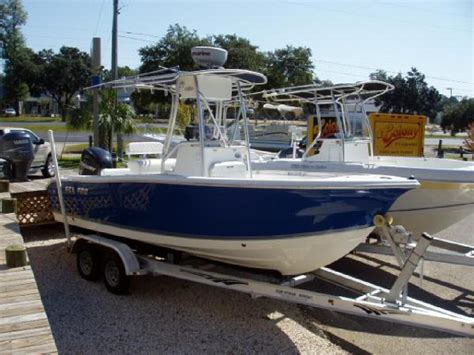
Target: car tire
[48, 169]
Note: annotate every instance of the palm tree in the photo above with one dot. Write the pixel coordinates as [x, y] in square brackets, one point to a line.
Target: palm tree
[114, 117]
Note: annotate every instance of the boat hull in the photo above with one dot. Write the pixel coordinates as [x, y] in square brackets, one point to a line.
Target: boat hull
[435, 206]
[289, 256]
[285, 229]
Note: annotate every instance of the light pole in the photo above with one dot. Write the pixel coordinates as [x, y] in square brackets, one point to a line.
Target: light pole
[450, 92]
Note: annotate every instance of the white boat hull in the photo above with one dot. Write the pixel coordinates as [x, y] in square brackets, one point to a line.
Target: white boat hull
[433, 207]
[446, 194]
[289, 256]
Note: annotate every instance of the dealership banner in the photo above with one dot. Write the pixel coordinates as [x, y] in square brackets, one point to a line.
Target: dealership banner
[398, 134]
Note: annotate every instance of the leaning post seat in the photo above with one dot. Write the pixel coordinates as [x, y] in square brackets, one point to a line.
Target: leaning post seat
[144, 148]
[150, 166]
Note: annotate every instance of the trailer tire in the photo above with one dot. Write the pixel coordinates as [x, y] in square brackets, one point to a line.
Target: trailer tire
[115, 279]
[88, 262]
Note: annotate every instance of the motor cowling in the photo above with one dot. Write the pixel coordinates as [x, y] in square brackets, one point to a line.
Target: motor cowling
[16, 147]
[94, 160]
[191, 132]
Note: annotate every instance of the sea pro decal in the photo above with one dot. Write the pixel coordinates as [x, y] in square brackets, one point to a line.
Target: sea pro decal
[225, 281]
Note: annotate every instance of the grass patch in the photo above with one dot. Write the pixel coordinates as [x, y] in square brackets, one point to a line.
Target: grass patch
[155, 130]
[30, 119]
[69, 163]
[56, 128]
[443, 136]
[75, 148]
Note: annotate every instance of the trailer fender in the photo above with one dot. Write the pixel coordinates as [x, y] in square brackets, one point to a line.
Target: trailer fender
[128, 257]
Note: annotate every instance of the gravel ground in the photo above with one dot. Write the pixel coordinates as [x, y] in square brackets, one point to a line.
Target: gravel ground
[171, 316]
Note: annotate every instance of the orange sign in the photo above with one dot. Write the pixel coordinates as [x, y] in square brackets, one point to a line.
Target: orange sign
[329, 125]
[398, 134]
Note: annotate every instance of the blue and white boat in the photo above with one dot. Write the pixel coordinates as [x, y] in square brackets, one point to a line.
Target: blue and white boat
[202, 197]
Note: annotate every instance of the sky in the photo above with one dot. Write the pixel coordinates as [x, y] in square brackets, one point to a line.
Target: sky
[348, 39]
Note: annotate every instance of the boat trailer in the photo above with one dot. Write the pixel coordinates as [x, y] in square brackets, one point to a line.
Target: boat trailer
[397, 241]
[374, 301]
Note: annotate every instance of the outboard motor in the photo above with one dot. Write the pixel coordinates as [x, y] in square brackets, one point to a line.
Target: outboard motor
[191, 132]
[94, 160]
[16, 147]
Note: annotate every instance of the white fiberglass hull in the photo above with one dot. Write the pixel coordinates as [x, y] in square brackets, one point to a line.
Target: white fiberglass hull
[433, 207]
[289, 256]
[445, 196]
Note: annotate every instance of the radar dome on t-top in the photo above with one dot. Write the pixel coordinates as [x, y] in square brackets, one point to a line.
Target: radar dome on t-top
[209, 57]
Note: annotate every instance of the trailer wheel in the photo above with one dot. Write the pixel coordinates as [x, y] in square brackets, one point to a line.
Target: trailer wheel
[88, 263]
[115, 278]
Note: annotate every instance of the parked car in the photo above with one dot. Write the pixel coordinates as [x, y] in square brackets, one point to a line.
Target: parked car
[43, 161]
[9, 112]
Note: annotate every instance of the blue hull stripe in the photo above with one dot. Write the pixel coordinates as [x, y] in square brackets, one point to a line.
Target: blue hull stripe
[223, 212]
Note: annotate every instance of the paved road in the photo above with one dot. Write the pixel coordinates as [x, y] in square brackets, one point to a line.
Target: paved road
[84, 136]
[79, 137]
[31, 125]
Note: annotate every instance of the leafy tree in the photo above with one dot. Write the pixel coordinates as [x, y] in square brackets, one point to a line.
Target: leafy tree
[318, 81]
[411, 95]
[122, 72]
[174, 49]
[241, 53]
[288, 67]
[457, 117]
[284, 67]
[63, 74]
[13, 50]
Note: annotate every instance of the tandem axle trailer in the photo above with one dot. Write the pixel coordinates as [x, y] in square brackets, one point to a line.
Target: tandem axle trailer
[116, 262]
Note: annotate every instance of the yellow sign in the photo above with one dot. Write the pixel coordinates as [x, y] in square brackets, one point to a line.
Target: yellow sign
[398, 134]
[329, 125]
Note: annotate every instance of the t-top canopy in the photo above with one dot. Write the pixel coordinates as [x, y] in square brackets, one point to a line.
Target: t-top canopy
[314, 93]
[214, 84]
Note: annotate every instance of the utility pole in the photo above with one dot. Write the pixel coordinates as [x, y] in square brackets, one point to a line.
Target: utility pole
[115, 72]
[114, 40]
[95, 94]
[450, 92]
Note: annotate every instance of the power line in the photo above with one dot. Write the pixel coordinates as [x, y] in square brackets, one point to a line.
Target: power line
[98, 18]
[321, 61]
[411, 8]
[140, 34]
[389, 71]
[137, 39]
[366, 76]
[361, 15]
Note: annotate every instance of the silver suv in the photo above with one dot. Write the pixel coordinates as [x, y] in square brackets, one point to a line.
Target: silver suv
[42, 149]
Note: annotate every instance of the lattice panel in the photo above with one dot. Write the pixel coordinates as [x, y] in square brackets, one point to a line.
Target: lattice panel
[138, 200]
[33, 208]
